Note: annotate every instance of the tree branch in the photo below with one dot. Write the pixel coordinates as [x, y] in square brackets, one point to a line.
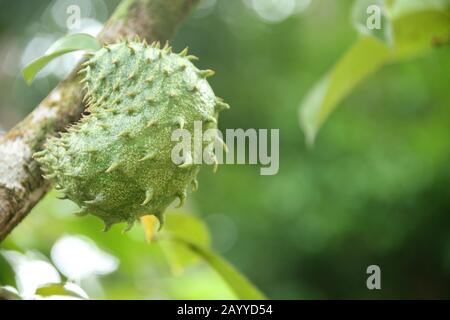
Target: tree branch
[21, 184]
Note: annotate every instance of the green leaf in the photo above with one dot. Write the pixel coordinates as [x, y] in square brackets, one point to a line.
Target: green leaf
[365, 57]
[188, 227]
[59, 289]
[419, 32]
[188, 240]
[241, 286]
[416, 28]
[69, 43]
[399, 8]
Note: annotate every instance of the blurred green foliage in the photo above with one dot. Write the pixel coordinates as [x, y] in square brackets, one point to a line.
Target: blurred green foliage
[373, 190]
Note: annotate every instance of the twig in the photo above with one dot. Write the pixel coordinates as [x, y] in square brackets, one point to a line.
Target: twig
[21, 184]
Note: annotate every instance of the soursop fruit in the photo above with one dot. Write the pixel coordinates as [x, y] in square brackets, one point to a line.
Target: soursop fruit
[115, 163]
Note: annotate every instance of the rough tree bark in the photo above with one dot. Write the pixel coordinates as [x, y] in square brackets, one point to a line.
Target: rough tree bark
[21, 184]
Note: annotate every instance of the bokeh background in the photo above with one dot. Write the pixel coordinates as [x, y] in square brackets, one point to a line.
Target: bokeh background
[373, 190]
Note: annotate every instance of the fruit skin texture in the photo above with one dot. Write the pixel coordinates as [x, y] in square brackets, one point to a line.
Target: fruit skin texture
[115, 163]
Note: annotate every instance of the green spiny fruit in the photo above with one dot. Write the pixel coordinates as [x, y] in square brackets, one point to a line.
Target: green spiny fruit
[115, 163]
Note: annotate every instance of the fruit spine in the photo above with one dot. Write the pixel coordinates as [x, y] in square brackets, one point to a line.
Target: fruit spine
[115, 163]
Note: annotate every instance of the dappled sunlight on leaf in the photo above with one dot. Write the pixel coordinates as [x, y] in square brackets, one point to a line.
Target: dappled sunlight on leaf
[78, 257]
[31, 271]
